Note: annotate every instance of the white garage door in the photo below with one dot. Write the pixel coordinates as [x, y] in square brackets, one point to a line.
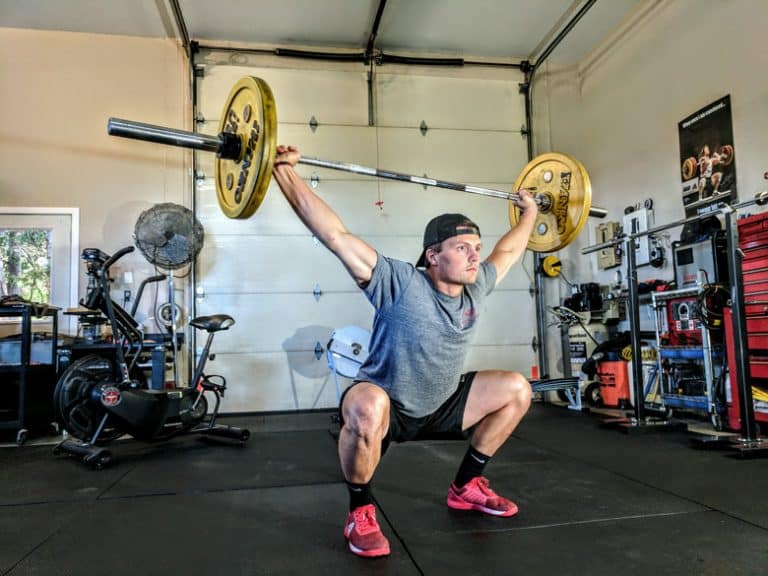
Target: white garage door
[285, 291]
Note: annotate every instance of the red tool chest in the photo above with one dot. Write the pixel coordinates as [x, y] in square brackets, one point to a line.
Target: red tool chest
[753, 241]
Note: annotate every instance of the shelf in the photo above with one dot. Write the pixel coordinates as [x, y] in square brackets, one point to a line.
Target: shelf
[29, 370]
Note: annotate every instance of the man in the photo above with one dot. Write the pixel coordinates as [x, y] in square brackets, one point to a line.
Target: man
[411, 386]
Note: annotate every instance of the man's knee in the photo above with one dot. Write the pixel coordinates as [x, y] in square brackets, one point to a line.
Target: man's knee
[365, 411]
[519, 389]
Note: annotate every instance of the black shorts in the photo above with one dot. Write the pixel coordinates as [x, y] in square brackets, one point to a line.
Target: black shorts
[443, 424]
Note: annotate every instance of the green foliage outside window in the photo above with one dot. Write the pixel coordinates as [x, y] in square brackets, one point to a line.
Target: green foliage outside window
[25, 263]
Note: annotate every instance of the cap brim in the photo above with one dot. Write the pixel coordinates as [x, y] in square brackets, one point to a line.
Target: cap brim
[422, 261]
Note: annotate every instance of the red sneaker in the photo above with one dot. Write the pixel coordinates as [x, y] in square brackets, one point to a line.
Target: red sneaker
[363, 533]
[476, 495]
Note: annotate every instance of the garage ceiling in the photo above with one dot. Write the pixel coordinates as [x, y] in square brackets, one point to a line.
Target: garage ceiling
[495, 30]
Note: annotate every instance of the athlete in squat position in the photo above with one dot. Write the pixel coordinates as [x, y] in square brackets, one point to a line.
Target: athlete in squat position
[411, 386]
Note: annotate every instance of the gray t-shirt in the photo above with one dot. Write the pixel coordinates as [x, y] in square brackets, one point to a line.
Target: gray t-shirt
[420, 336]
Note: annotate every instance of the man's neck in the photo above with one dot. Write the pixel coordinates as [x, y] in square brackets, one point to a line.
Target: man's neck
[448, 288]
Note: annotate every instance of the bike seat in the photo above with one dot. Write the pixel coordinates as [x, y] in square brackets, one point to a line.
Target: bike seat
[213, 323]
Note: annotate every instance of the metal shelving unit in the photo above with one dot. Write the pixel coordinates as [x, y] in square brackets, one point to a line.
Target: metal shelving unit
[689, 364]
[27, 369]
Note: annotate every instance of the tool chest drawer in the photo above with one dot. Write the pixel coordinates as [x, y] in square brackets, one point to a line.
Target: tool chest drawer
[755, 276]
[755, 308]
[754, 259]
[757, 292]
[758, 367]
[753, 228]
[757, 324]
[757, 341]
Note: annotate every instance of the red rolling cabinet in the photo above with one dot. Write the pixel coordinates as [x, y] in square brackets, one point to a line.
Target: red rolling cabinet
[753, 241]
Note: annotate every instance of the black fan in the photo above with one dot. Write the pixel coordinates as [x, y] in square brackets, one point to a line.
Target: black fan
[168, 235]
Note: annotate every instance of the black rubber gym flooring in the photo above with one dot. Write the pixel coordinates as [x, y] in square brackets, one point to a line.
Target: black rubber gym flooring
[592, 501]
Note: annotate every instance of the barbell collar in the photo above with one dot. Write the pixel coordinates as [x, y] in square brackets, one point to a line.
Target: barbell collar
[596, 212]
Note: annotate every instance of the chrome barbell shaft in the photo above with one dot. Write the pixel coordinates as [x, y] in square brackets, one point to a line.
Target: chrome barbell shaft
[424, 180]
[162, 135]
[195, 141]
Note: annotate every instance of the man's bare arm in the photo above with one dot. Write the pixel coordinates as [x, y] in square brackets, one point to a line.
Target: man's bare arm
[512, 245]
[358, 257]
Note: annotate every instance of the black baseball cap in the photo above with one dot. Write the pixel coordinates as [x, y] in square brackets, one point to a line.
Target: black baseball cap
[443, 227]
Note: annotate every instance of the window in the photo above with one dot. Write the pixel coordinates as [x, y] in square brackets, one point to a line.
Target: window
[39, 256]
[25, 263]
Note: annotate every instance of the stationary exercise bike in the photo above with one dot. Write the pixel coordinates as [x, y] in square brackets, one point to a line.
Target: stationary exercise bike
[101, 397]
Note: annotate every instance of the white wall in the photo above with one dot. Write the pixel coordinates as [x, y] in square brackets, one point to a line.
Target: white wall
[57, 90]
[619, 111]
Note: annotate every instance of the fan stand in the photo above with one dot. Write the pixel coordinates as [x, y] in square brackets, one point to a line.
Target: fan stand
[172, 301]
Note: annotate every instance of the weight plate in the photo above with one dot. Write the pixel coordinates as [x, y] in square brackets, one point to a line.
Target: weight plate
[726, 154]
[565, 183]
[689, 168]
[250, 112]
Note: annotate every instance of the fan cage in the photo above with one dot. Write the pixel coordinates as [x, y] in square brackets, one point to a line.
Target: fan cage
[168, 235]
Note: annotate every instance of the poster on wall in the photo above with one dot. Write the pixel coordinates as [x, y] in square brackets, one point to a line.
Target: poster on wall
[707, 169]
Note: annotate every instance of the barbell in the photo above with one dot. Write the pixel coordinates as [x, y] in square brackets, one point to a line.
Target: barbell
[246, 147]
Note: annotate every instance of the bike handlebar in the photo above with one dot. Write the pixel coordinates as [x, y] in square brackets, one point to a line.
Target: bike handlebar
[116, 256]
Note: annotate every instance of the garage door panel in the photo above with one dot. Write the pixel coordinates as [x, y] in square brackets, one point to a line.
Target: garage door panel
[281, 321]
[517, 358]
[274, 264]
[405, 209]
[338, 98]
[503, 321]
[279, 381]
[481, 103]
[298, 381]
[242, 264]
[353, 200]
[269, 322]
[453, 155]
[352, 144]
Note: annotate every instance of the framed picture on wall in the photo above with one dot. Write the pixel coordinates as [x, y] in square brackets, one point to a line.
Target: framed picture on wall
[707, 167]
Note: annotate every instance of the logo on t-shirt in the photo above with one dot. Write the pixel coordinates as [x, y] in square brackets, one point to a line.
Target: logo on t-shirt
[470, 316]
